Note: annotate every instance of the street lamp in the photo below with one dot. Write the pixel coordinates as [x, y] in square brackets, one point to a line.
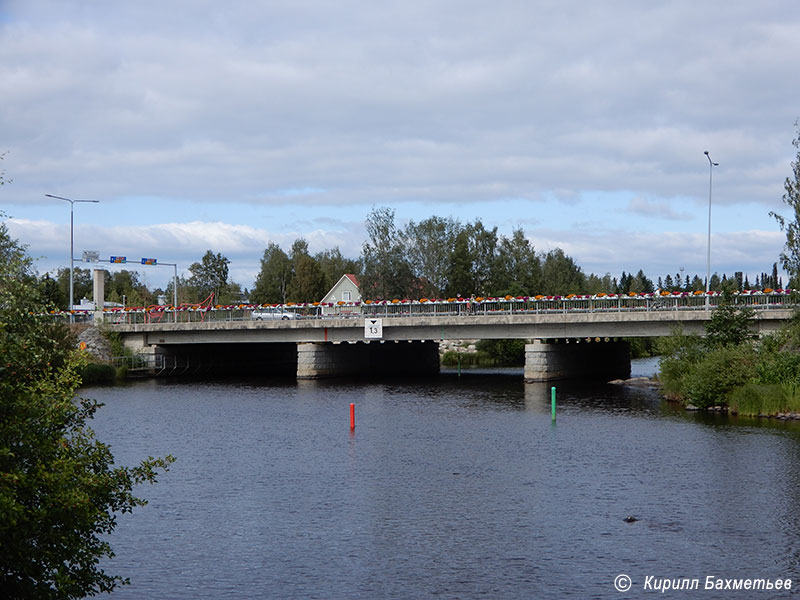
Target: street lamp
[711, 166]
[71, 245]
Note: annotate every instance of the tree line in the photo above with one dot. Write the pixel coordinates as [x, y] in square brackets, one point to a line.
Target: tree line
[438, 257]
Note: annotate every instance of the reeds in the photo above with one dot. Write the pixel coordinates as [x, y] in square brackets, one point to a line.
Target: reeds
[754, 400]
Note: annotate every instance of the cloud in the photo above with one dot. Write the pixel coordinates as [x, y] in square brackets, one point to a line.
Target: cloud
[657, 209]
[306, 110]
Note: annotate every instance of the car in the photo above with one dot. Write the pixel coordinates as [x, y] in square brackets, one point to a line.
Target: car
[272, 313]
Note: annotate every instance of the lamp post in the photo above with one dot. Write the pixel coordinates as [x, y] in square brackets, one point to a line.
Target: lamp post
[711, 166]
[71, 245]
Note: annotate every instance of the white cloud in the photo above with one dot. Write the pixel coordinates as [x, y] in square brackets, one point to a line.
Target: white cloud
[308, 109]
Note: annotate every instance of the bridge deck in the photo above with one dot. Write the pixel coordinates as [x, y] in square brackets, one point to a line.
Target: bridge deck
[556, 324]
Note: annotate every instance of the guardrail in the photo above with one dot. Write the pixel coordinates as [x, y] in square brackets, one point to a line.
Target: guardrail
[452, 307]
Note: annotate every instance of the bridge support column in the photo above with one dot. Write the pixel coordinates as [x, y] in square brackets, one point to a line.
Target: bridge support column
[577, 359]
[321, 360]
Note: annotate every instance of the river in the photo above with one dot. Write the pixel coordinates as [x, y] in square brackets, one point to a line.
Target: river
[453, 487]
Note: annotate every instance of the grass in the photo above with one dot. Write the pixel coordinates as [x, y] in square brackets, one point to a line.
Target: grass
[468, 359]
[754, 400]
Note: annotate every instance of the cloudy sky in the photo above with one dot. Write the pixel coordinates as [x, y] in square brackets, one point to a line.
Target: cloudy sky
[229, 125]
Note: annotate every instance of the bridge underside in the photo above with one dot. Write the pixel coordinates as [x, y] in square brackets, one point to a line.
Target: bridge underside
[303, 361]
[545, 360]
[217, 360]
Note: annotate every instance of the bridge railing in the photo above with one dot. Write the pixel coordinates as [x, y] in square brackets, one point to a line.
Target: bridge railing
[460, 307]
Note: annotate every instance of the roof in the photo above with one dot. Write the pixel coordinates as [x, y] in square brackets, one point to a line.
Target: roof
[352, 278]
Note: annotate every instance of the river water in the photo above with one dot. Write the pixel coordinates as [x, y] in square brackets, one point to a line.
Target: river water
[454, 487]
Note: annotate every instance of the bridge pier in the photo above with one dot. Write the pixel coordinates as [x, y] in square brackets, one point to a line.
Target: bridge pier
[324, 359]
[577, 359]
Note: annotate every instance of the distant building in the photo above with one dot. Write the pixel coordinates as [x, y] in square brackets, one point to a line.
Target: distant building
[345, 290]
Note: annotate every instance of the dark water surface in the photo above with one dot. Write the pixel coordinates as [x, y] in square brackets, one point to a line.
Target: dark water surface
[448, 488]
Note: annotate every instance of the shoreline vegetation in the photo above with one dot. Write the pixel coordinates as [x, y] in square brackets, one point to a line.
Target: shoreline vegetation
[732, 370]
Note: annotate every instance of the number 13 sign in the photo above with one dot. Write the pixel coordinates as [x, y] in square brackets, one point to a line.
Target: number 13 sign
[373, 329]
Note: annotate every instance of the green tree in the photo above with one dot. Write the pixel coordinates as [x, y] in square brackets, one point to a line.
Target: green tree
[560, 274]
[483, 251]
[640, 283]
[83, 286]
[125, 285]
[272, 282]
[730, 324]
[387, 273]
[308, 281]
[596, 285]
[60, 492]
[790, 256]
[333, 265]
[429, 246]
[209, 276]
[518, 268]
[51, 292]
[459, 272]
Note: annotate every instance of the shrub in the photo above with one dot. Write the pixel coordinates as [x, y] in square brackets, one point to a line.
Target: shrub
[504, 352]
[710, 381]
[778, 367]
[97, 373]
[679, 353]
[467, 359]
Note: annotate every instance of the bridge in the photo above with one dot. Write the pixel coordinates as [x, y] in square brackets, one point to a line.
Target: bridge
[578, 336]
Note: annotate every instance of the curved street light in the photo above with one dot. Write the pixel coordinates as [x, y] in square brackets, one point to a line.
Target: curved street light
[71, 245]
[711, 165]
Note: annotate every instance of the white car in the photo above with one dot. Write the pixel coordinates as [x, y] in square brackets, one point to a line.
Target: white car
[272, 313]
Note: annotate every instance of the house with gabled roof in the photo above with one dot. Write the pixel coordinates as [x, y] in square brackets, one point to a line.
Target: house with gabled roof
[345, 290]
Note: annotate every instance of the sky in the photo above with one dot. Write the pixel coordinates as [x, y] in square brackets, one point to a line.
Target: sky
[225, 126]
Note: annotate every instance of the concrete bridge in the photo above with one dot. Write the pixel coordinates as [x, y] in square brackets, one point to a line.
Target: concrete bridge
[563, 342]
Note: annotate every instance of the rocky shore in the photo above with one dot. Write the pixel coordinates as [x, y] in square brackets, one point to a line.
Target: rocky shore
[640, 382]
[95, 344]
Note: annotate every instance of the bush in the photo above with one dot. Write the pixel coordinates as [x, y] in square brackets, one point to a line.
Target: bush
[467, 359]
[97, 373]
[679, 353]
[778, 367]
[711, 381]
[504, 352]
[643, 347]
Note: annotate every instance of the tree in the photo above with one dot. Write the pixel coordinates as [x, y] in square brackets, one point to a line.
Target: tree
[518, 268]
[596, 285]
[429, 246]
[387, 272]
[125, 285]
[60, 492]
[209, 276]
[560, 274]
[483, 251]
[790, 256]
[51, 293]
[333, 265]
[83, 286]
[308, 281]
[459, 271]
[272, 283]
[640, 283]
[729, 324]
